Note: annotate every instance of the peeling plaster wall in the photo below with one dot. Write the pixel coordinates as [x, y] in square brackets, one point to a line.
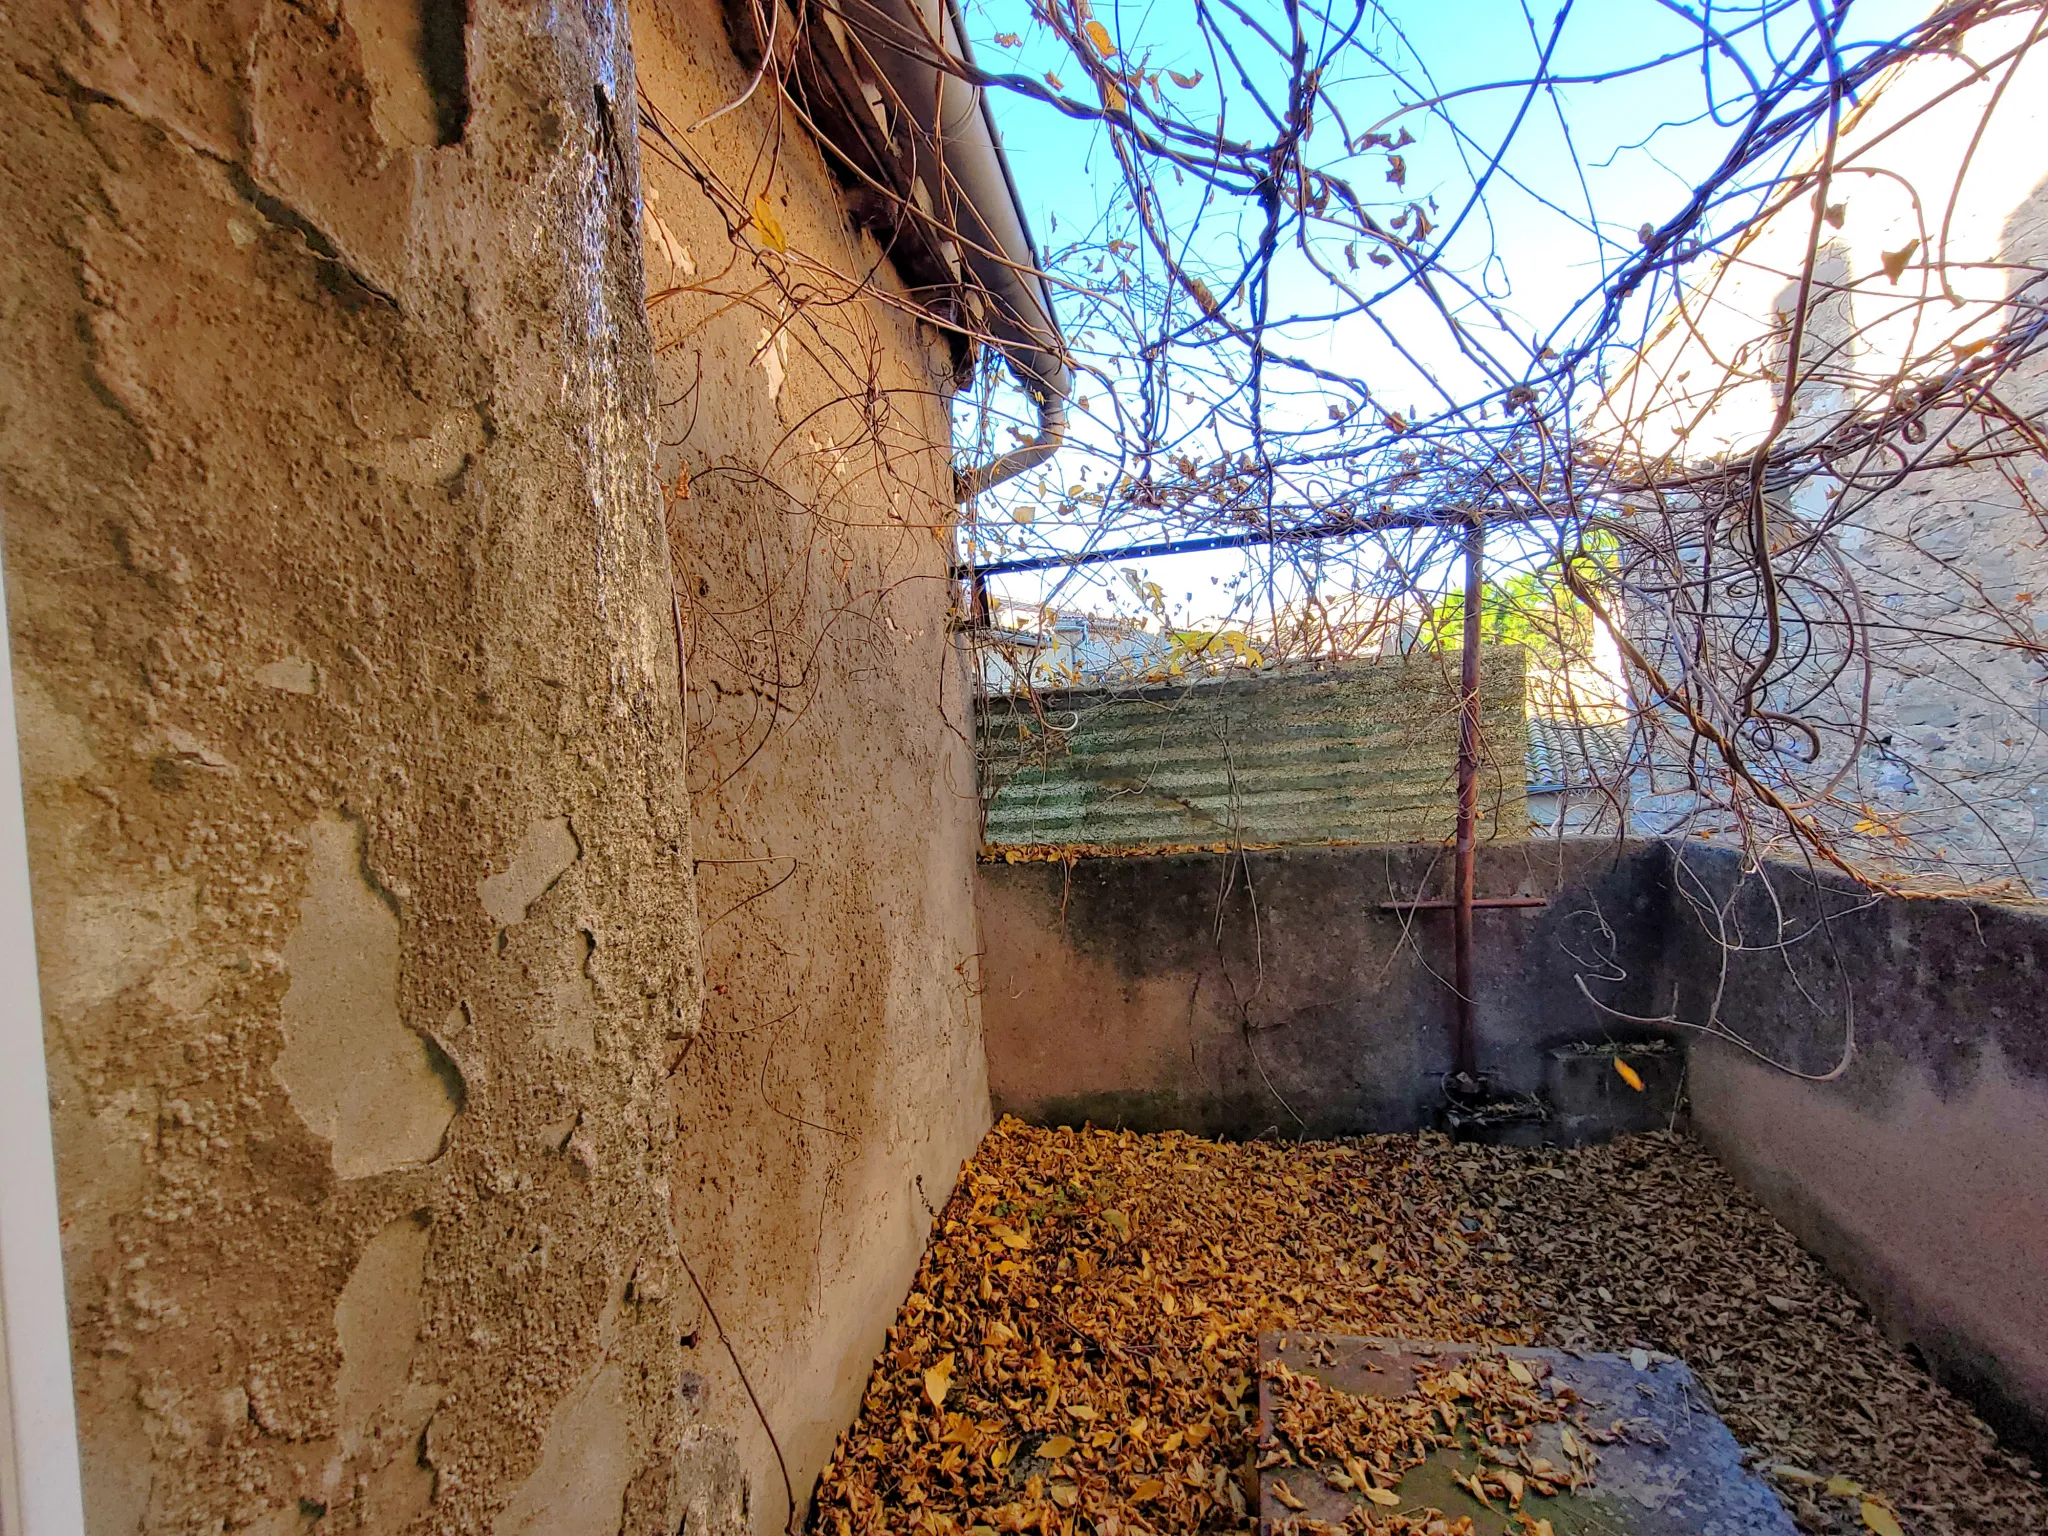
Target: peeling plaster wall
[839, 1079]
[342, 619]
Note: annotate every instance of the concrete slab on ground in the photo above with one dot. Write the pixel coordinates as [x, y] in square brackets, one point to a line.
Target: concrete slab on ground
[1663, 1464]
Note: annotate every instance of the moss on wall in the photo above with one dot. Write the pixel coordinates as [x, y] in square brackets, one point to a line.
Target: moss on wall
[1364, 752]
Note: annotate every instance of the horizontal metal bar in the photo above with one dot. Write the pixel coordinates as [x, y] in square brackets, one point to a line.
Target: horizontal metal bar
[1334, 529]
[1438, 905]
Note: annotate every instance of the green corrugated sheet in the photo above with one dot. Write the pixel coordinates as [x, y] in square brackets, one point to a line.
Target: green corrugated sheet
[1366, 752]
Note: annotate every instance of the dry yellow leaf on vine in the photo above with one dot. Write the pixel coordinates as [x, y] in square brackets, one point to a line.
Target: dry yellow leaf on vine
[767, 226]
[1098, 34]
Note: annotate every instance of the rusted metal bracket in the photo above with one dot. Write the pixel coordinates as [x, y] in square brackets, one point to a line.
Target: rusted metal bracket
[1465, 1080]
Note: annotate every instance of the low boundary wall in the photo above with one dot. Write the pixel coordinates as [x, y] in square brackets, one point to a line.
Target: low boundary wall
[1280, 994]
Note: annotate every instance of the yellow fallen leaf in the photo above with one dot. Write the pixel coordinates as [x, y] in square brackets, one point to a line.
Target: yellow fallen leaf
[1880, 1519]
[1629, 1074]
[1098, 34]
[1149, 1488]
[1064, 1494]
[938, 1381]
[767, 226]
[1512, 1481]
[1286, 1495]
[1082, 1411]
[1010, 1237]
[1570, 1442]
[1521, 1373]
[1056, 1447]
[1382, 1496]
[1844, 1487]
[1540, 1528]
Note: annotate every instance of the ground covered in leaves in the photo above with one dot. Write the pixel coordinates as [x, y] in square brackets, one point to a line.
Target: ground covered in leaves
[1077, 1354]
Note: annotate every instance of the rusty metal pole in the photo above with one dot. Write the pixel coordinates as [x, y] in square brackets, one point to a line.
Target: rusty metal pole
[1465, 1045]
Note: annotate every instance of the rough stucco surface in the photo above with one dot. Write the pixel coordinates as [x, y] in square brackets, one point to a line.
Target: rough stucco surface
[839, 1079]
[1914, 1169]
[354, 749]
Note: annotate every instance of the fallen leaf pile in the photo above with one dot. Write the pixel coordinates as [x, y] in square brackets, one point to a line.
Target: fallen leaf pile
[1648, 1243]
[1363, 1443]
[1077, 1356]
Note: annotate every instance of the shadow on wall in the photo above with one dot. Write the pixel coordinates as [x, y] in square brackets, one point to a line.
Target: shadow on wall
[1873, 1069]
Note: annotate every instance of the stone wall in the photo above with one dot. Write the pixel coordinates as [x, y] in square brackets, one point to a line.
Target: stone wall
[1939, 570]
[393, 1143]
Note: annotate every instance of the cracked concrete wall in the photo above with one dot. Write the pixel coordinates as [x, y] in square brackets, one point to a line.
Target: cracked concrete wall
[839, 1078]
[353, 737]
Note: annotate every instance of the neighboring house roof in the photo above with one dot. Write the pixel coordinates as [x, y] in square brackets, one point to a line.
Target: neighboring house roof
[1569, 754]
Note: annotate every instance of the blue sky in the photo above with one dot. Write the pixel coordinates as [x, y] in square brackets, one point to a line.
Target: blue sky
[1588, 164]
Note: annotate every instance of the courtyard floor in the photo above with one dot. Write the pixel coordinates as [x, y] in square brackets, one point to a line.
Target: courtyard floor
[1077, 1354]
